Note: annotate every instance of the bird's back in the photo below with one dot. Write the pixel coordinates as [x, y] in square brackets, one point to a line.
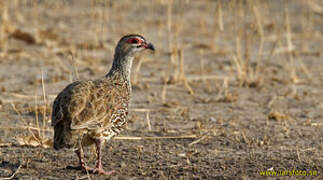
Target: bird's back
[97, 109]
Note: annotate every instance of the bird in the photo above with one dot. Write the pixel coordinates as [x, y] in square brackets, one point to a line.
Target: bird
[91, 112]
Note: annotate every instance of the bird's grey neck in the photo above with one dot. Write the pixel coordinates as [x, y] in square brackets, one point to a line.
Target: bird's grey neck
[121, 66]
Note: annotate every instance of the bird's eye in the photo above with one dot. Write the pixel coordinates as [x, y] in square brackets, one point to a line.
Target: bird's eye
[133, 41]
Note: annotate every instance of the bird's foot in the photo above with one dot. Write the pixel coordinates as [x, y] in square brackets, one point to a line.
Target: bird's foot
[101, 171]
[91, 170]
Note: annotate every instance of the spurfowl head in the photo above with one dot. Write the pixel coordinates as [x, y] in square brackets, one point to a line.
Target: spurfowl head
[129, 45]
[125, 51]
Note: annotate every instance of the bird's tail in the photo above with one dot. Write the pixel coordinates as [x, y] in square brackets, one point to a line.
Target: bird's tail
[62, 136]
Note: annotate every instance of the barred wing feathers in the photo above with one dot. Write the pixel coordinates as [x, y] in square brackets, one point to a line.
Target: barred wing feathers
[91, 104]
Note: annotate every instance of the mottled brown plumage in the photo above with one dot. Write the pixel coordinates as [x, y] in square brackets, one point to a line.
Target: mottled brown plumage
[91, 112]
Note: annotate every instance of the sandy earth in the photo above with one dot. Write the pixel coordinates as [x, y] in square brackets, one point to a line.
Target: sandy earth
[212, 122]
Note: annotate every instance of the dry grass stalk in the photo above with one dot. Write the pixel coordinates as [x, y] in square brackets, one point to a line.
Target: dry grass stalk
[37, 134]
[157, 109]
[316, 124]
[164, 91]
[23, 119]
[5, 26]
[155, 138]
[74, 63]
[21, 97]
[24, 128]
[224, 89]
[198, 140]
[169, 15]
[175, 53]
[271, 101]
[178, 75]
[45, 117]
[188, 87]
[148, 121]
[290, 47]
[246, 74]
[305, 70]
[13, 175]
[258, 20]
[173, 70]
[169, 31]
[298, 154]
[245, 138]
[224, 95]
[37, 120]
[203, 28]
[259, 57]
[182, 73]
[190, 78]
[141, 110]
[220, 16]
[240, 72]
[288, 32]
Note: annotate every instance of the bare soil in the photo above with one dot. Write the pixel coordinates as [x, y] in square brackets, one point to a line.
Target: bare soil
[235, 88]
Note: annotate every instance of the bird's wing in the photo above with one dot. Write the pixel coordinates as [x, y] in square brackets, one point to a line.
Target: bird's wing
[59, 111]
[95, 104]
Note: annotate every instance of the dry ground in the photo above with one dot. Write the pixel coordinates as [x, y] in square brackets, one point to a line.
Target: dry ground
[235, 87]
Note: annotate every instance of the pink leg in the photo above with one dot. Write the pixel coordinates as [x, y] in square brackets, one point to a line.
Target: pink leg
[82, 166]
[98, 168]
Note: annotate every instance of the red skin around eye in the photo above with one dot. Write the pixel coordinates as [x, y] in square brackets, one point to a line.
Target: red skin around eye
[132, 40]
